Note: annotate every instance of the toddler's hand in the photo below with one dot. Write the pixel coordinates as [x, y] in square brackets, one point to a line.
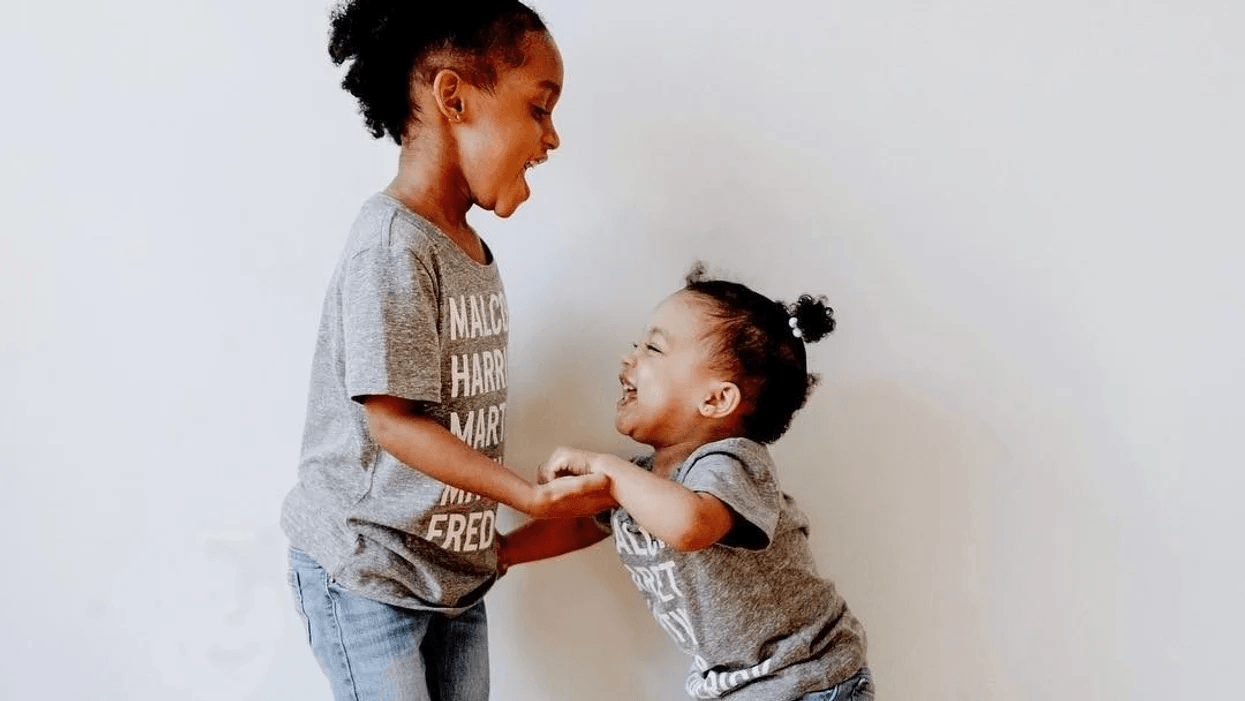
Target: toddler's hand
[573, 496]
[564, 462]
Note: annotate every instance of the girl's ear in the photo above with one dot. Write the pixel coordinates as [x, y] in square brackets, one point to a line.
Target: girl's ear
[448, 89]
[722, 401]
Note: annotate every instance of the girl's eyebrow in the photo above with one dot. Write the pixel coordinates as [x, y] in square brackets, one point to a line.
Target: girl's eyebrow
[551, 85]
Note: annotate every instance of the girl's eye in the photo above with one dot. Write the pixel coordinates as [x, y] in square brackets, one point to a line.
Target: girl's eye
[539, 112]
[652, 348]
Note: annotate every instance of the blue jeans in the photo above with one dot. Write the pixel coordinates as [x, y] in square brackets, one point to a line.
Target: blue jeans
[372, 651]
[854, 688]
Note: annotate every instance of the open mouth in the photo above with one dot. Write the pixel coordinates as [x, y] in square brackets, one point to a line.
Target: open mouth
[628, 391]
[534, 162]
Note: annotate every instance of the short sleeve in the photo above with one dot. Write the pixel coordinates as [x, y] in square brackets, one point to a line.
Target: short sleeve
[747, 488]
[389, 321]
[605, 520]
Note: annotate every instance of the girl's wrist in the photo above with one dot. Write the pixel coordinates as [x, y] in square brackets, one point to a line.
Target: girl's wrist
[608, 465]
[525, 499]
[599, 463]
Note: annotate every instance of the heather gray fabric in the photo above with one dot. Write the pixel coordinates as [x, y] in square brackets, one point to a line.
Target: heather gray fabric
[760, 623]
[407, 314]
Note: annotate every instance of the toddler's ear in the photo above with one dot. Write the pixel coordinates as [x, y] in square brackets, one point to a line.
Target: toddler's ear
[721, 402]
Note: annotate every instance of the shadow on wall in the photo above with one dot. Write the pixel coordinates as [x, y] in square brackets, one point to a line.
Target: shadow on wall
[897, 491]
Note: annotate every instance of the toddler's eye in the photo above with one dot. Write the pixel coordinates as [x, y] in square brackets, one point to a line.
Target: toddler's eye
[651, 347]
[539, 112]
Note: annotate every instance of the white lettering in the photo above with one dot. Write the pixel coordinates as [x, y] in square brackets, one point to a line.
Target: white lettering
[458, 319]
[486, 361]
[668, 569]
[620, 540]
[664, 620]
[454, 495]
[486, 529]
[473, 524]
[494, 306]
[477, 324]
[454, 534]
[715, 684]
[433, 531]
[499, 368]
[684, 619]
[463, 432]
[494, 420]
[481, 429]
[463, 532]
[477, 378]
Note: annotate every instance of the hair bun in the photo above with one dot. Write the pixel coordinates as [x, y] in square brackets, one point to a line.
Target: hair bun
[812, 317]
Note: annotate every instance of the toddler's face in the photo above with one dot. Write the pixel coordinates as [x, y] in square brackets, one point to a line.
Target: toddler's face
[511, 129]
[667, 374]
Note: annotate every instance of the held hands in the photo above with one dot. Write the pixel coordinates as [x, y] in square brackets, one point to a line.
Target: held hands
[565, 462]
[567, 488]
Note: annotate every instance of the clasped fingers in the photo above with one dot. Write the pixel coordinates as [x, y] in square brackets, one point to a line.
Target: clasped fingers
[563, 462]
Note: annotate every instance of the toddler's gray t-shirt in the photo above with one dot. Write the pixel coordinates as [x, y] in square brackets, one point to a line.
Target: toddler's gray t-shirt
[752, 611]
[408, 314]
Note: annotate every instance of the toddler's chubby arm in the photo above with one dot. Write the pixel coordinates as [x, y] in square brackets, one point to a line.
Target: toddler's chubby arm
[684, 519]
[423, 444]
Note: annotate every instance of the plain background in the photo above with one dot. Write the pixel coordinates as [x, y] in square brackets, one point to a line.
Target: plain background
[1022, 466]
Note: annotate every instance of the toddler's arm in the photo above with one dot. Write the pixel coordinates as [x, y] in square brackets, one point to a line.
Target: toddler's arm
[421, 443]
[684, 519]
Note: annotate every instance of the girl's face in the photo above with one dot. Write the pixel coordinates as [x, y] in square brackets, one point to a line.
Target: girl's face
[667, 376]
[511, 129]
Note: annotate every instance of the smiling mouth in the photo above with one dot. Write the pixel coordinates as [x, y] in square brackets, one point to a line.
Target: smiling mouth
[628, 391]
[534, 162]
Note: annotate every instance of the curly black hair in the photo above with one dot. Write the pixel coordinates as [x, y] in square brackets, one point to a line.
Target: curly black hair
[760, 342]
[390, 43]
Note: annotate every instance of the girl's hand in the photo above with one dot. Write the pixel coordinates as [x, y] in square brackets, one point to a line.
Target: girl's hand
[564, 462]
[572, 496]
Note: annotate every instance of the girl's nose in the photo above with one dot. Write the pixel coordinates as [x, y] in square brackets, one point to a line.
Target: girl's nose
[552, 140]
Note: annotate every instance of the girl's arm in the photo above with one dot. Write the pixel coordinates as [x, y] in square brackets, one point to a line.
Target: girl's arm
[539, 540]
[684, 519]
[427, 446]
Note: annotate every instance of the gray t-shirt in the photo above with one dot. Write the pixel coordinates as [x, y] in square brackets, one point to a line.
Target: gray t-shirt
[751, 609]
[408, 314]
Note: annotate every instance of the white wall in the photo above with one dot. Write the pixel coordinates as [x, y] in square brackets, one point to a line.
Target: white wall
[1021, 467]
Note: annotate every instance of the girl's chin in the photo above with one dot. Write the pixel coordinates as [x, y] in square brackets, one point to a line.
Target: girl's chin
[507, 203]
[623, 426]
[511, 201]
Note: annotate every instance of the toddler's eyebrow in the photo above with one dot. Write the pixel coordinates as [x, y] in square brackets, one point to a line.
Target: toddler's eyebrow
[555, 87]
